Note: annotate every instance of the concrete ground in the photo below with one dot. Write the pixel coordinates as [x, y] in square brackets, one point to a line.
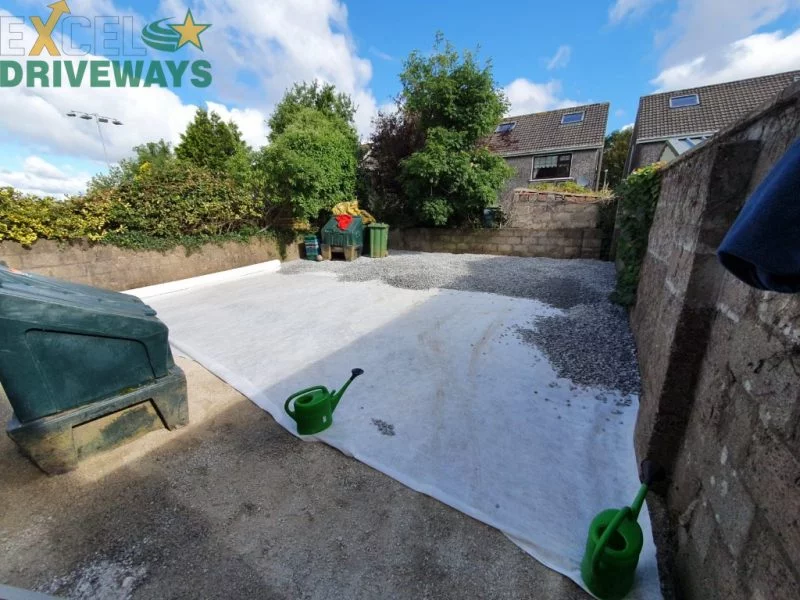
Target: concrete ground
[233, 506]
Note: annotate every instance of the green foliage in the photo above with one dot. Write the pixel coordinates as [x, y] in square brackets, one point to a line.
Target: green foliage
[321, 97]
[451, 183]
[452, 91]
[395, 136]
[209, 142]
[136, 240]
[180, 199]
[615, 154]
[564, 187]
[25, 218]
[451, 179]
[311, 166]
[638, 197]
[153, 153]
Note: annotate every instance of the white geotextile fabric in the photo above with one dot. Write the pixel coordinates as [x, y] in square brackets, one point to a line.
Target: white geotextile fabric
[480, 419]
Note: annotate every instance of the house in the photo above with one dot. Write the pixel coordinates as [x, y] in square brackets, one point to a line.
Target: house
[553, 146]
[671, 123]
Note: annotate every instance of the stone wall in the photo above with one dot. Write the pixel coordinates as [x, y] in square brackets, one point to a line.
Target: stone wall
[551, 243]
[550, 210]
[119, 269]
[720, 366]
[546, 224]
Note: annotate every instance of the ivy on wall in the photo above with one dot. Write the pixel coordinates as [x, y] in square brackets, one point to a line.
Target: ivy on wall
[638, 197]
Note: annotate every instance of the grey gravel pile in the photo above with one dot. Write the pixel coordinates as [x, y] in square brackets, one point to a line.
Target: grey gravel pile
[589, 344]
[560, 283]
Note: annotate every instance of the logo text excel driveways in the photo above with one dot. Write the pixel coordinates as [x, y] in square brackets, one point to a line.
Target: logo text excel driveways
[100, 51]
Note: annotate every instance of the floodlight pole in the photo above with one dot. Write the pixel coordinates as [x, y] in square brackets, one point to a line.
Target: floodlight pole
[97, 119]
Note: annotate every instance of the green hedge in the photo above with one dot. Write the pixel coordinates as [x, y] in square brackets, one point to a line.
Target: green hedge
[176, 203]
[638, 197]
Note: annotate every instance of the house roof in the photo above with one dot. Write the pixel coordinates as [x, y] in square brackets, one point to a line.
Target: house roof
[720, 105]
[543, 131]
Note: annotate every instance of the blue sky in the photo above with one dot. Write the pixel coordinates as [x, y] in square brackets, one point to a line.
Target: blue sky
[545, 54]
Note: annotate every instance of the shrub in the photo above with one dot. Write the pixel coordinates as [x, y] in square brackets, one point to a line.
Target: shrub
[179, 199]
[450, 183]
[395, 137]
[311, 166]
[564, 187]
[25, 218]
[209, 141]
[451, 178]
[638, 197]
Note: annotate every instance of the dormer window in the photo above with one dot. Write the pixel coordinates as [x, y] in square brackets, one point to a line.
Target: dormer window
[569, 118]
[505, 127]
[681, 101]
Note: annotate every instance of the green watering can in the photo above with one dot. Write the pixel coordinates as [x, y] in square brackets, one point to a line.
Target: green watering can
[615, 542]
[314, 406]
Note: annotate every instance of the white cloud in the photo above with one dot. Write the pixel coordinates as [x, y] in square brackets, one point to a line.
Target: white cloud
[620, 112]
[560, 59]
[44, 179]
[624, 9]
[704, 27]
[251, 122]
[755, 55]
[626, 127]
[273, 45]
[381, 54]
[256, 52]
[528, 97]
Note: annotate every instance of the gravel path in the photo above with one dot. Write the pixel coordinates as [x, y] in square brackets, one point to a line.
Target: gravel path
[590, 343]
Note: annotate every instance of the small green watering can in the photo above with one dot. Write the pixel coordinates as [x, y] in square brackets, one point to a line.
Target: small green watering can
[314, 406]
[615, 543]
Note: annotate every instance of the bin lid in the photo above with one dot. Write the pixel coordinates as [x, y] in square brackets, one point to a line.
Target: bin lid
[21, 284]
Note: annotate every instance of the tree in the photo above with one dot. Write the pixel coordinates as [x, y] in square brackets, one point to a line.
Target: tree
[615, 154]
[311, 165]
[209, 142]
[452, 177]
[395, 136]
[324, 98]
[155, 154]
[451, 91]
[452, 183]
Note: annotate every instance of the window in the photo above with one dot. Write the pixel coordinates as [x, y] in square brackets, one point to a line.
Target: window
[681, 101]
[553, 166]
[505, 127]
[576, 117]
[796, 78]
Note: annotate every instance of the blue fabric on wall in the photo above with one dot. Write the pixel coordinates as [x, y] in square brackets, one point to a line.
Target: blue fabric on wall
[762, 247]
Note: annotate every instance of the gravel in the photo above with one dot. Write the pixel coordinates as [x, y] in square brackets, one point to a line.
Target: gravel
[589, 343]
[559, 283]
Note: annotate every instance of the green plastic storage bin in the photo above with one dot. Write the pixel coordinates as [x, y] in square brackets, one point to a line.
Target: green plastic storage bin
[312, 247]
[64, 345]
[353, 236]
[378, 240]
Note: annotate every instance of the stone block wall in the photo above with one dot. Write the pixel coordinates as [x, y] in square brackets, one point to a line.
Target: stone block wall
[551, 243]
[720, 366]
[121, 269]
[550, 210]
